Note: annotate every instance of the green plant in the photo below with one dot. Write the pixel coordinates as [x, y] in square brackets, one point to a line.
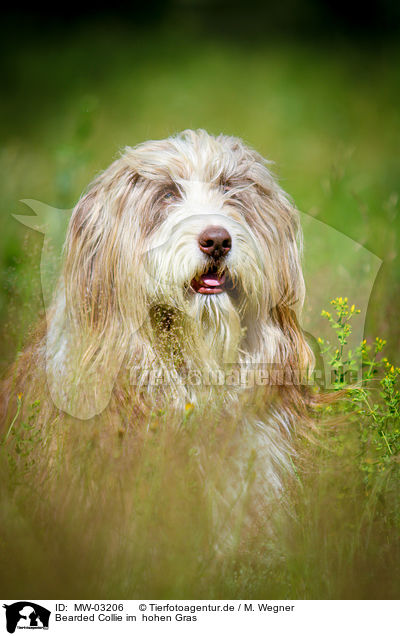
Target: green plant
[374, 401]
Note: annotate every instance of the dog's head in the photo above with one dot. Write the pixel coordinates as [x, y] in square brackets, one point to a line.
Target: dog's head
[193, 231]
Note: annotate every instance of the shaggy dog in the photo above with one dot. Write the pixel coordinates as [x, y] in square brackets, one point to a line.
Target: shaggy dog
[180, 286]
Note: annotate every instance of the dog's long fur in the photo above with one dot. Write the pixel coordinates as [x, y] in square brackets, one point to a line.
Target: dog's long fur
[124, 305]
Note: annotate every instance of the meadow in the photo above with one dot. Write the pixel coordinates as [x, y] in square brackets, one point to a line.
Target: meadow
[118, 517]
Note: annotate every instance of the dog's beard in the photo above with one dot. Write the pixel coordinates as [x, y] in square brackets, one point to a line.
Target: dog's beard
[219, 325]
[209, 321]
[207, 327]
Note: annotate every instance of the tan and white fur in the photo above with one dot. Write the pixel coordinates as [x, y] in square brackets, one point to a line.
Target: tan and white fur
[139, 291]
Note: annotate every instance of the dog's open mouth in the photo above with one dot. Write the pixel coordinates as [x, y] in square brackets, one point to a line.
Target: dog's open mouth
[212, 282]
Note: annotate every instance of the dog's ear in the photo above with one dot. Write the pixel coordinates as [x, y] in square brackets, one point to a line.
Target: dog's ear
[97, 308]
[278, 226]
[289, 293]
[294, 351]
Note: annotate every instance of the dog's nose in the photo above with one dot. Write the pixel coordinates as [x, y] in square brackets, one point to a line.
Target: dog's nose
[215, 241]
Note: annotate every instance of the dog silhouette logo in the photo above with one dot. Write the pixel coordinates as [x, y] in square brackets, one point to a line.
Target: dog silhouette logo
[26, 615]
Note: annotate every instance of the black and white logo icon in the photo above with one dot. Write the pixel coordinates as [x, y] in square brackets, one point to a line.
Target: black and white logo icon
[26, 615]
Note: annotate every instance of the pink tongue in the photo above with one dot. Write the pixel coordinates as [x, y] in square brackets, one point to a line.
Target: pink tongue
[212, 280]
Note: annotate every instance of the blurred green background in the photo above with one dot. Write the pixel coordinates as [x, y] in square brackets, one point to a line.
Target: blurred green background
[313, 86]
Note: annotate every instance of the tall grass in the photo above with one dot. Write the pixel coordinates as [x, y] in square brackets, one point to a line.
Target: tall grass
[93, 510]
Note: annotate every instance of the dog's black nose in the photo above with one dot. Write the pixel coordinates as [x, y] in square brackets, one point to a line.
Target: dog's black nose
[215, 241]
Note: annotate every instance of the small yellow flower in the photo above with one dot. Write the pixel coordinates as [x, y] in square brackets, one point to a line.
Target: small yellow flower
[352, 308]
[19, 396]
[154, 424]
[189, 407]
[320, 340]
[392, 369]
